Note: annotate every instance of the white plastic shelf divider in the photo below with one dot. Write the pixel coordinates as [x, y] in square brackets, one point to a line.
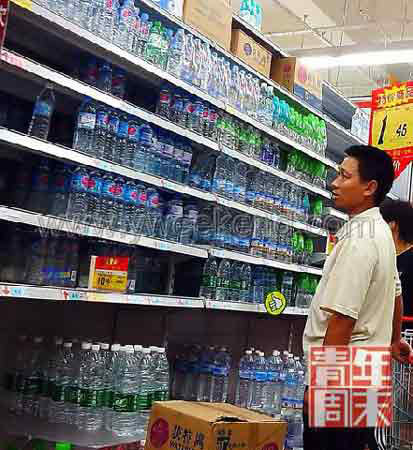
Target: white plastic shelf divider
[53, 223]
[68, 294]
[36, 428]
[248, 259]
[138, 64]
[28, 143]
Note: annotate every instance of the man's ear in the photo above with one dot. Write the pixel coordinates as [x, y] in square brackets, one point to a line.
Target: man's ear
[371, 188]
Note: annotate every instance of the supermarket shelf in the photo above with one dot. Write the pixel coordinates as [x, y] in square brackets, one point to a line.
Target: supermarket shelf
[28, 143]
[251, 308]
[137, 65]
[62, 294]
[318, 258]
[54, 223]
[36, 428]
[335, 213]
[248, 259]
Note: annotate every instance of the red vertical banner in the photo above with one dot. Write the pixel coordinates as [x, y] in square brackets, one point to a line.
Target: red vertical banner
[4, 16]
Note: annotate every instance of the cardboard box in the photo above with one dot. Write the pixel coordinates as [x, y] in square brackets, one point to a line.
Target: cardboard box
[251, 52]
[180, 425]
[213, 18]
[303, 82]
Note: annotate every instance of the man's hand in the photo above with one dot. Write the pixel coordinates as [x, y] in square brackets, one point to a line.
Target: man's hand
[402, 352]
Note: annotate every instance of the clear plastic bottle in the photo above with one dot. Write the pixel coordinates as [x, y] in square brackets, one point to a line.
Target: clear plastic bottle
[161, 376]
[220, 376]
[205, 377]
[91, 373]
[289, 392]
[189, 224]
[223, 280]
[274, 386]
[121, 151]
[128, 158]
[145, 146]
[146, 387]
[209, 279]
[101, 132]
[220, 176]
[130, 196]
[39, 196]
[235, 282]
[260, 382]
[110, 367]
[143, 36]
[107, 206]
[85, 127]
[173, 218]
[42, 113]
[112, 136]
[78, 198]
[125, 416]
[124, 30]
[94, 198]
[60, 189]
[245, 380]
[176, 53]
[105, 74]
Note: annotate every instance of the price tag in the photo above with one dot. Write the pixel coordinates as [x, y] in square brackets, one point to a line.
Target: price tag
[275, 303]
[74, 295]
[103, 165]
[109, 273]
[95, 297]
[162, 246]
[18, 291]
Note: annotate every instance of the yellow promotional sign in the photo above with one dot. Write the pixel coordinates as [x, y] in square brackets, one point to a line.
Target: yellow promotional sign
[275, 303]
[23, 3]
[109, 273]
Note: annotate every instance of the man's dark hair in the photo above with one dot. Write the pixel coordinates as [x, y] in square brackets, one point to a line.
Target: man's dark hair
[402, 214]
[374, 164]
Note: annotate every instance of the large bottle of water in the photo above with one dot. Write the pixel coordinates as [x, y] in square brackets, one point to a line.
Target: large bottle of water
[59, 390]
[85, 127]
[122, 140]
[130, 196]
[146, 387]
[108, 201]
[110, 363]
[128, 158]
[220, 376]
[192, 374]
[274, 387]
[90, 412]
[143, 35]
[125, 33]
[260, 381]
[101, 131]
[223, 280]
[209, 279]
[245, 292]
[161, 376]
[176, 53]
[205, 377]
[42, 113]
[145, 146]
[289, 393]
[125, 417]
[173, 218]
[245, 380]
[94, 196]
[60, 188]
[112, 136]
[77, 205]
[39, 197]
[189, 224]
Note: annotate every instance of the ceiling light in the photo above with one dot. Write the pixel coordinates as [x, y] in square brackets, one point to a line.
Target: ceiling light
[378, 58]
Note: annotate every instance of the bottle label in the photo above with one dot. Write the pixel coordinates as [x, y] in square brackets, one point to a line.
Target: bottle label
[195, 179]
[235, 284]
[126, 13]
[250, 196]
[165, 97]
[125, 402]
[188, 107]
[218, 185]
[41, 182]
[142, 199]
[42, 109]
[109, 397]
[209, 281]
[260, 376]
[72, 395]
[123, 131]
[109, 189]
[133, 134]
[223, 283]
[130, 194]
[61, 184]
[206, 184]
[90, 398]
[102, 119]
[245, 374]
[80, 183]
[144, 401]
[95, 185]
[113, 125]
[59, 393]
[220, 371]
[168, 150]
[86, 121]
[176, 211]
[161, 396]
[153, 199]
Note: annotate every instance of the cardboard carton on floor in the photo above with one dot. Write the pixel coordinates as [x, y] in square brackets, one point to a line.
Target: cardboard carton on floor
[179, 425]
[213, 18]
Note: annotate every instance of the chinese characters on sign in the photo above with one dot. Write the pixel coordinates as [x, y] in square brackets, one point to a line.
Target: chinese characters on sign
[350, 387]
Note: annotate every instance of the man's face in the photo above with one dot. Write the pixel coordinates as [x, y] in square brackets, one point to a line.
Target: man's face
[350, 192]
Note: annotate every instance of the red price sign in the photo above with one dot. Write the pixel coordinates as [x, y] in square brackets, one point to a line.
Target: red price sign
[4, 16]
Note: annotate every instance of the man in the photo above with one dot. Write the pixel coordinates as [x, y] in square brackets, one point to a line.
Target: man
[356, 298]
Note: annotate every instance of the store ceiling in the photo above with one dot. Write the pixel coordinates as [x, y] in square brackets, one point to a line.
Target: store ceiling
[359, 25]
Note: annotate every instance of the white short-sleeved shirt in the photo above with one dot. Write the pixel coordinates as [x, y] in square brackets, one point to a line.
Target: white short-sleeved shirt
[359, 280]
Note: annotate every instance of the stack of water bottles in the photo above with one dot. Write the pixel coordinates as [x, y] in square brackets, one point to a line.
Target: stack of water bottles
[304, 168]
[91, 386]
[251, 12]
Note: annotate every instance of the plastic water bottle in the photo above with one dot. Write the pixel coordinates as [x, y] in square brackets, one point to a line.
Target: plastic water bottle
[153, 213]
[110, 362]
[42, 113]
[107, 206]
[205, 378]
[85, 127]
[235, 282]
[153, 52]
[125, 416]
[101, 131]
[143, 35]
[161, 377]
[104, 81]
[124, 30]
[128, 157]
[245, 291]
[94, 196]
[122, 140]
[78, 197]
[130, 198]
[173, 218]
[287, 287]
[289, 392]
[189, 224]
[145, 134]
[164, 103]
[260, 382]
[106, 19]
[176, 53]
[187, 67]
[220, 176]
[39, 196]
[274, 386]
[112, 136]
[220, 376]
[209, 279]
[118, 203]
[223, 281]
[90, 411]
[245, 380]
[146, 387]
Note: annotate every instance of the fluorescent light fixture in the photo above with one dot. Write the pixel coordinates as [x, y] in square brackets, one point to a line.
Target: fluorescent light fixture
[378, 58]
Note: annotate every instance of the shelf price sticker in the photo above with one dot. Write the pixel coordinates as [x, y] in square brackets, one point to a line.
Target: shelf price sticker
[275, 303]
[391, 123]
[109, 273]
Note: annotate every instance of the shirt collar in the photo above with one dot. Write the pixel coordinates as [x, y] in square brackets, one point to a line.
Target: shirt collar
[355, 224]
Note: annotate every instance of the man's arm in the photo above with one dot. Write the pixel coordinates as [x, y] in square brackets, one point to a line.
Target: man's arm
[339, 330]
[397, 319]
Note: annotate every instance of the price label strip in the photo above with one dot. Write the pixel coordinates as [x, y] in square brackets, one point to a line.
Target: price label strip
[275, 303]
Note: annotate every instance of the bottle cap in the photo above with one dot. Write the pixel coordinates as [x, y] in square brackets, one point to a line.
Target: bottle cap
[138, 348]
[67, 345]
[276, 353]
[115, 347]
[63, 446]
[146, 351]
[86, 345]
[130, 350]
[161, 350]
[95, 347]
[248, 352]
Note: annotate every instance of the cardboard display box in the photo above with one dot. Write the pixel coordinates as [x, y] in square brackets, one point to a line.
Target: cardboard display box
[251, 52]
[211, 426]
[305, 83]
[213, 18]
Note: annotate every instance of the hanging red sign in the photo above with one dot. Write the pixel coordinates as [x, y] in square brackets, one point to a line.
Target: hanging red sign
[391, 123]
[4, 16]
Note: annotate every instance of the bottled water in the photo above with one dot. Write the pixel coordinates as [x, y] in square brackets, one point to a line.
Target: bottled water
[94, 197]
[240, 182]
[124, 30]
[187, 65]
[104, 81]
[173, 219]
[245, 380]
[108, 211]
[153, 53]
[128, 158]
[189, 224]
[205, 377]
[223, 280]
[135, 30]
[260, 382]
[60, 386]
[192, 374]
[145, 146]
[42, 113]
[209, 279]
[112, 136]
[220, 376]
[220, 176]
[274, 386]
[289, 392]
[125, 417]
[143, 37]
[118, 203]
[161, 376]
[110, 366]
[38, 199]
[287, 287]
[90, 411]
[153, 212]
[245, 284]
[101, 132]
[235, 282]
[36, 265]
[122, 140]
[141, 202]
[78, 198]
[164, 103]
[106, 19]
[130, 196]
[146, 387]
[85, 128]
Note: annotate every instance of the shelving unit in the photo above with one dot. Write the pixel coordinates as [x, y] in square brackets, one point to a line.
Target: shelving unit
[50, 45]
